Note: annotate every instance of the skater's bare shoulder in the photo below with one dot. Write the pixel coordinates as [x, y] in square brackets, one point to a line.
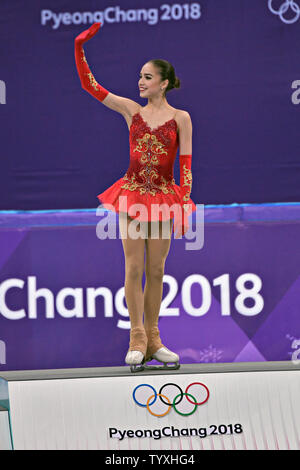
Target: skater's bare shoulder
[183, 119]
[185, 130]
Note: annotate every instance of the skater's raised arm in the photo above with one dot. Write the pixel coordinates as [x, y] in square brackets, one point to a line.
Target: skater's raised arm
[122, 105]
[87, 79]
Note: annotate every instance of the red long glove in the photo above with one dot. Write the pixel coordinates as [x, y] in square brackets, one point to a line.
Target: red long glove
[186, 179]
[185, 163]
[87, 79]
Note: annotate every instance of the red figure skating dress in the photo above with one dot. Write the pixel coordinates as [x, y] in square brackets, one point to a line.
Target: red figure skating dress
[149, 180]
[147, 191]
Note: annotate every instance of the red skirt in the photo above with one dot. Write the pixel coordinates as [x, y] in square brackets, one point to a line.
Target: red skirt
[148, 207]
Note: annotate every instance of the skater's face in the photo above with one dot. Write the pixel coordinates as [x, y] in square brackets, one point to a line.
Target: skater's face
[150, 83]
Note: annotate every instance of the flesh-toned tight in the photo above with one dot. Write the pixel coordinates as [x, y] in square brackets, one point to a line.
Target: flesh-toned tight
[155, 237]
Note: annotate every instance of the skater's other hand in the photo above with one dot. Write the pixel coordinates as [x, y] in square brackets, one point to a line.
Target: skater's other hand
[180, 231]
[181, 226]
[88, 34]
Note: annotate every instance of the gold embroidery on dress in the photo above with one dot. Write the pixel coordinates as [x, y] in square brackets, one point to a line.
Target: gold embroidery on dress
[150, 148]
[152, 144]
[134, 185]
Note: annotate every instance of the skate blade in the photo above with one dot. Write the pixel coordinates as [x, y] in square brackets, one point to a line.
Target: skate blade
[165, 366]
[134, 368]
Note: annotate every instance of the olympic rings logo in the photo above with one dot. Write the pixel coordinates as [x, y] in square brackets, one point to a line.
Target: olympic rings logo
[166, 401]
[283, 9]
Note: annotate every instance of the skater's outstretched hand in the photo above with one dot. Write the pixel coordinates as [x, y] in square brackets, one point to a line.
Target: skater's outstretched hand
[87, 79]
[88, 34]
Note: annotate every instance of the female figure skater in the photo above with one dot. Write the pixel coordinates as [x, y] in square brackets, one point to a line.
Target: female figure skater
[155, 131]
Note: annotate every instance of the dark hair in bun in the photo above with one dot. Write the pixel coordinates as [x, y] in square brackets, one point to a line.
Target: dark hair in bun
[166, 71]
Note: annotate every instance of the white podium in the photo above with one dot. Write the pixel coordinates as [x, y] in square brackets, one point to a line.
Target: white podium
[207, 406]
[5, 437]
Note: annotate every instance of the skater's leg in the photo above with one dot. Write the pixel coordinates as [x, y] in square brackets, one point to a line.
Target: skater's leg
[156, 254]
[134, 252]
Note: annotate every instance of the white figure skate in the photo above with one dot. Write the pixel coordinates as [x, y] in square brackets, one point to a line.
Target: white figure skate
[136, 360]
[137, 349]
[165, 356]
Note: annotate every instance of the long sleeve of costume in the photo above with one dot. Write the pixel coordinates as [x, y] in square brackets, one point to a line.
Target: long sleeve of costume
[87, 79]
[185, 163]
